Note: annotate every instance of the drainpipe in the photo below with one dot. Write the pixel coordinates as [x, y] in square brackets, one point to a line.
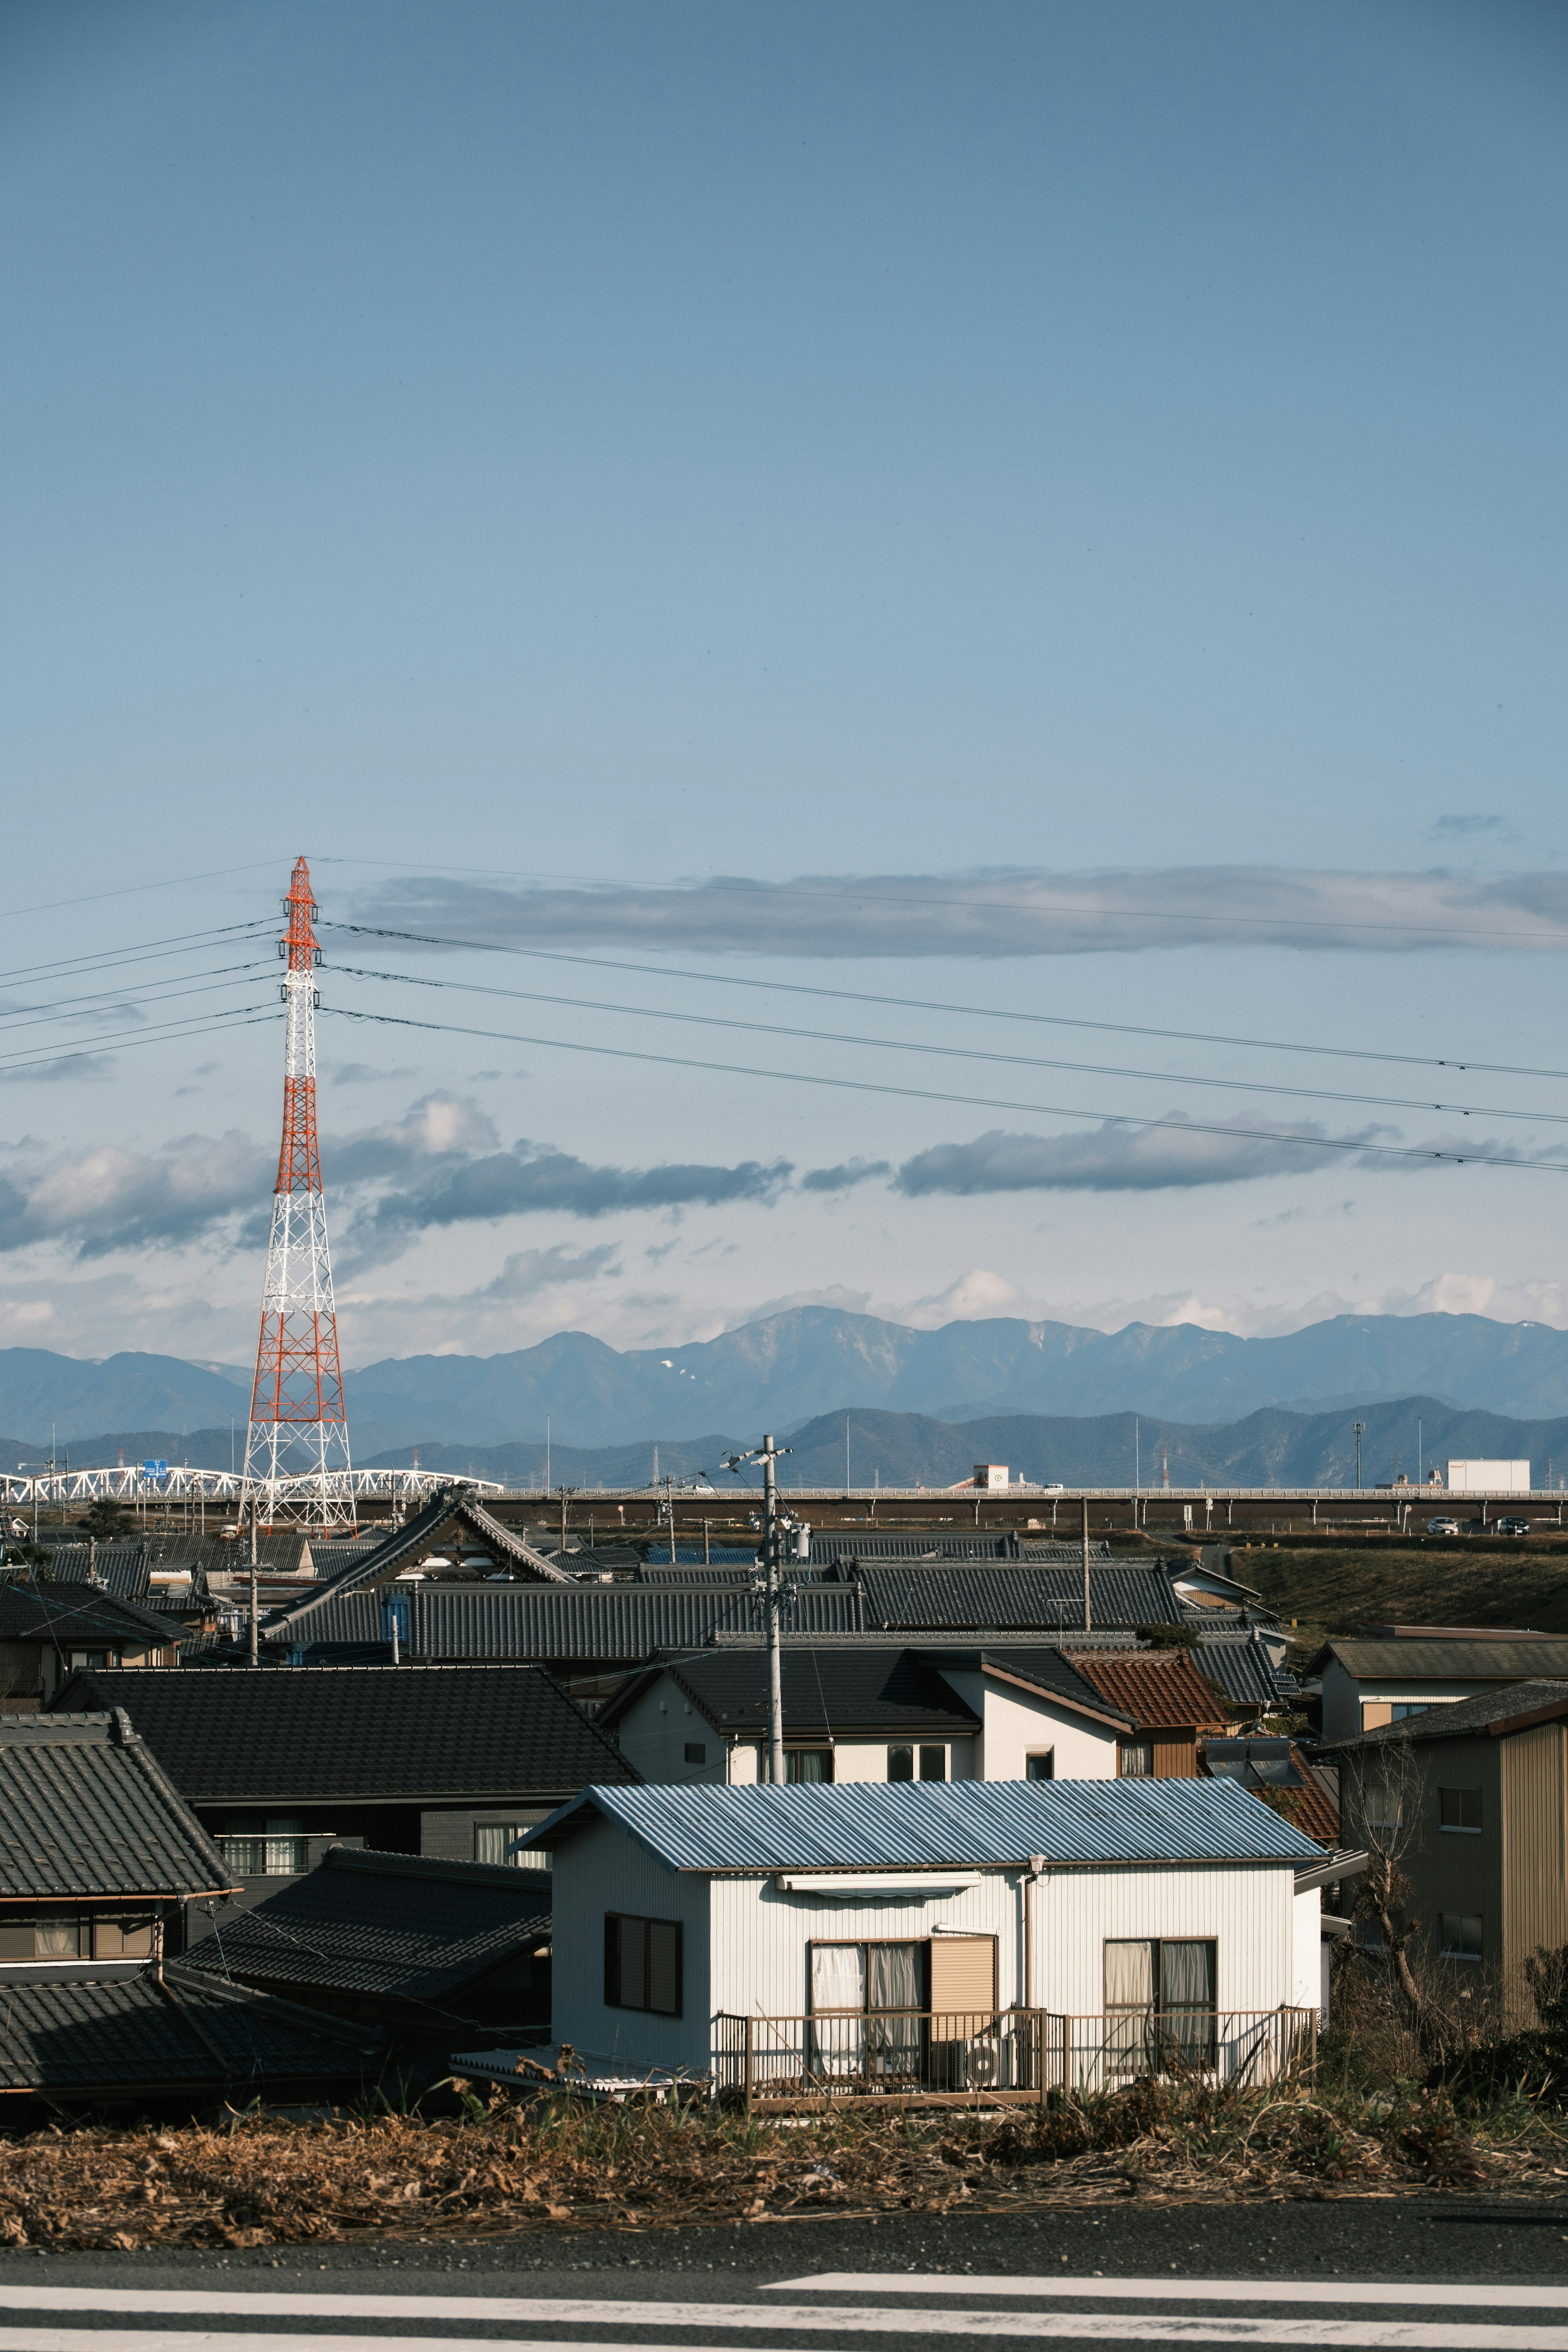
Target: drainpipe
[1036, 1869]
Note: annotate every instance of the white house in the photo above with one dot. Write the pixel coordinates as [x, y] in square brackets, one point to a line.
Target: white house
[854, 1711]
[953, 1935]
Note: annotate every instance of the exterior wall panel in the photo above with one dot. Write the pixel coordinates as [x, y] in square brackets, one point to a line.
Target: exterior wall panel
[1533, 1872]
[603, 1870]
[1014, 1723]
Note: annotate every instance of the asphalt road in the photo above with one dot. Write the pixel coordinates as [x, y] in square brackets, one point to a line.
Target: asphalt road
[1442, 2276]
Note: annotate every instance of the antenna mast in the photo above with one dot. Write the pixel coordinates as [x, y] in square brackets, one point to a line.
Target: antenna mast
[298, 1428]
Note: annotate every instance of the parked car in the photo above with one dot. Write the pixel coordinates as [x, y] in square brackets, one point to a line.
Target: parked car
[1442, 1527]
[1510, 1527]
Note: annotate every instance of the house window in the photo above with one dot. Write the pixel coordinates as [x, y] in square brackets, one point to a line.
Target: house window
[56, 1938]
[642, 1964]
[1403, 1711]
[1379, 1799]
[1459, 1935]
[100, 1659]
[1459, 1809]
[697, 1751]
[926, 1763]
[1159, 1999]
[493, 1841]
[279, 1853]
[1135, 1759]
[803, 1766]
[126, 1936]
[1040, 1764]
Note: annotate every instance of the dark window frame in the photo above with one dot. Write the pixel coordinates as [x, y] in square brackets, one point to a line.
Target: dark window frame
[614, 1964]
[1460, 1827]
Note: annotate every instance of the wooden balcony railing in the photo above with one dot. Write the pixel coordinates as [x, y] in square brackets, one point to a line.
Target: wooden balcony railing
[990, 2057]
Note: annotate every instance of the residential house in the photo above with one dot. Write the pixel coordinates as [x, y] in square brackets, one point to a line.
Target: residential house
[788, 1940]
[101, 1866]
[1470, 1799]
[867, 1711]
[49, 1631]
[403, 1939]
[1306, 1789]
[1170, 1706]
[1385, 1673]
[455, 1761]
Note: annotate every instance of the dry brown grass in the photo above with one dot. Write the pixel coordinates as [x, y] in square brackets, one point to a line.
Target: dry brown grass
[505, 2169]
[1330, 1589]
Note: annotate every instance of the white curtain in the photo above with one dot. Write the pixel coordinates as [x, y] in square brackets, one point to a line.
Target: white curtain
[893, 1981]
[1130, 1975]
[838, 1982]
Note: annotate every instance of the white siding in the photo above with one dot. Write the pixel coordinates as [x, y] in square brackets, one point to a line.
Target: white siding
[1247, 1909]
[853, 1760]
[1306, 1967]
[761, 1937]
[604, 1870]
[1014, 1722]
[653, 1736]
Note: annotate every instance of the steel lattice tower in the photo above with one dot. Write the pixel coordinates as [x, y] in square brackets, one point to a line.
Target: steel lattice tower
[298, 1428]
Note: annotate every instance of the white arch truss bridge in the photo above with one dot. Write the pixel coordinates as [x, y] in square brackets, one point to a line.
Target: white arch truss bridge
[274, 1498]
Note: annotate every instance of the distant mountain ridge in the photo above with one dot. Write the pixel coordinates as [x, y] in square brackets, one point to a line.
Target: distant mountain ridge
[783, 1370]
[1267, 1448]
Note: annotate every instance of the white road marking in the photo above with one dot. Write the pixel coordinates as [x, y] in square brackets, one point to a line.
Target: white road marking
[1087, 2327]
[1175, 2290]
[551, 2311]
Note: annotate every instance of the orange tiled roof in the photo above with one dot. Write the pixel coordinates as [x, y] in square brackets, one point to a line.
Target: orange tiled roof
[1160, 1689]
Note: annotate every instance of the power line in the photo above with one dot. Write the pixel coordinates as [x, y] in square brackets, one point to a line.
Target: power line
[928, 1004]
[116, 1000]
[984, 1102]
[243, 1016]
[128, 890]
[142, 952]
[956, 1053]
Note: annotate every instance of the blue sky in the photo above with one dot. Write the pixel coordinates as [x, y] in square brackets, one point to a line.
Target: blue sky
[996, 463]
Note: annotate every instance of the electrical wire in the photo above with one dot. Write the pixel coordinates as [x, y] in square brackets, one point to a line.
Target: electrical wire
[243, 1016]
[928, 1004]
[984, 1102]
[117, 1001]
[142, 952]
[958, 1053]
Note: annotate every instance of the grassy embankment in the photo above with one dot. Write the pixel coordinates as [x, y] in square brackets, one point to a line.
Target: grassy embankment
[1327, 1589]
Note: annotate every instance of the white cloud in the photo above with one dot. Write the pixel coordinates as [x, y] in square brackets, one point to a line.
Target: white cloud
[1003, 911]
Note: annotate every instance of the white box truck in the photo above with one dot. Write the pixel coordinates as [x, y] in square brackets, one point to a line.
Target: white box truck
[1489, 1477]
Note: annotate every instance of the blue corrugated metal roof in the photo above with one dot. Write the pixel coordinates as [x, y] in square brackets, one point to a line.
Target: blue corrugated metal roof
[903, 1825]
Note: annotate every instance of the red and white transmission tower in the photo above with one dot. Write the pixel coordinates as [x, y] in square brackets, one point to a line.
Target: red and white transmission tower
[296, 1454]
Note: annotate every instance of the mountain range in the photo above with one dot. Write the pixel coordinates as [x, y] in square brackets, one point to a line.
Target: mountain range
[1268, 1448]
[783, 1370]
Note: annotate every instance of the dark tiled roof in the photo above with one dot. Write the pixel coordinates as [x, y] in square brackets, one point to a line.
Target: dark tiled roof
[1034, 1599]
[403, 1547]
[67, 1616]
[889, 1691]
[120, 1570]
[1462, 1718]
[123, 2032]
[1306, 1793]
[1155, 1687]
[1244, 1671]
[1447, 1660]
[872, 1546]
[619, 1623]
[86, 1809]
[399, 1927]
[371, 1734]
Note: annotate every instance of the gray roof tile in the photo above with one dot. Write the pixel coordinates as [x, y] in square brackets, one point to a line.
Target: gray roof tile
[87, 1809]
[376, 1734]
